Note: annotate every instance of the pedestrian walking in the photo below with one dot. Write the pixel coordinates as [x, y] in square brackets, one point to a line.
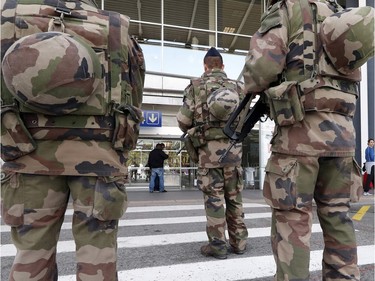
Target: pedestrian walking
[155, 161]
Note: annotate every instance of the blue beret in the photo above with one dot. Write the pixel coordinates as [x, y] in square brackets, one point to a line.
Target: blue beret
[212, 52]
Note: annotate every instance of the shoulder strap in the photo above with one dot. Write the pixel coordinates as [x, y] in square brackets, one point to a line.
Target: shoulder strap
[205, 111]
[7, 39]
[312, 50]
[310, 58]
[114, 48]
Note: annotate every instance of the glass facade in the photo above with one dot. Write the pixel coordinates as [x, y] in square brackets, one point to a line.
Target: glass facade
[174, 36]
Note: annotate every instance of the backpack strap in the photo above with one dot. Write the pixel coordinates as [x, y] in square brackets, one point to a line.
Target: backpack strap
[115, 58]
[313, 49]
[7, 39]
[57, 23]
[310, 57]
[312, 45]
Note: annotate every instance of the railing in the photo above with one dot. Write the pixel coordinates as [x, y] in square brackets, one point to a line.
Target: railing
[184, 177]
[180, 177]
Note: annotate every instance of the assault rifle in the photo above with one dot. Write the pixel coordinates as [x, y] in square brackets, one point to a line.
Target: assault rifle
[238, 131]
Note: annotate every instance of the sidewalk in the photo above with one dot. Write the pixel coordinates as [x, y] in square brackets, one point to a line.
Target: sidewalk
[141, 197]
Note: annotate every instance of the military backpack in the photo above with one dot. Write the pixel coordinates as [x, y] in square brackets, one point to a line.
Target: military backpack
[72, 61]
[217, 99]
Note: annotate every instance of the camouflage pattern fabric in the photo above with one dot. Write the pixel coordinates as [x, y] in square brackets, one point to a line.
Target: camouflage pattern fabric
[72, 139]
[354, 29]
[311, 158]
[333, 133]
[73, 67]
[290, 185]
[212, 141]
[95, 129]
[35, 205]
[220, 182]
[222, 102]
[223, 186]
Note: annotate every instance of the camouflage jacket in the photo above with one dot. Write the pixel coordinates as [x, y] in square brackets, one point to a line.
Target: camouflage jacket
[191, 113]
[90, 140]
[276, 50]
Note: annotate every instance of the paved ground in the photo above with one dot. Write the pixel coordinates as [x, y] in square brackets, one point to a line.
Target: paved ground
[161, 233]
[139, 196]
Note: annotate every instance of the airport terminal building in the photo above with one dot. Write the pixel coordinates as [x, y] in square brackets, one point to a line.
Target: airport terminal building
[174, 36]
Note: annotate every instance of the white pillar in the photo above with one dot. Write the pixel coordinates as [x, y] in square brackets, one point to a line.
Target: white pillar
[363, 104]
[212, 23]
[265, 135]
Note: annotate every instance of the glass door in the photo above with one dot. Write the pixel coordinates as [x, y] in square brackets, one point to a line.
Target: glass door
[178, 171]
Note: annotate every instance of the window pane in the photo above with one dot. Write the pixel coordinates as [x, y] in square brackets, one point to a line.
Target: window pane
[233, 43]
[239, 16]
[187, 13]
[187, 62]
[142, 10]
[146, 33]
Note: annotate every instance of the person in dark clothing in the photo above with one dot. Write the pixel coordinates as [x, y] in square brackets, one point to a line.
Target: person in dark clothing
[156, 162]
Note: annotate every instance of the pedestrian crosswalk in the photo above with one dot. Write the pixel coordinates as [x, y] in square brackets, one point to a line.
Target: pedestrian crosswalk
[163, 242]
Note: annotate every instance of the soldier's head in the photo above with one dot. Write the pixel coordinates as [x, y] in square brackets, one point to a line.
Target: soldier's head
[213, 59]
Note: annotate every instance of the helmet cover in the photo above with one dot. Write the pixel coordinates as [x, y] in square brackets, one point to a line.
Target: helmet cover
[51, 72]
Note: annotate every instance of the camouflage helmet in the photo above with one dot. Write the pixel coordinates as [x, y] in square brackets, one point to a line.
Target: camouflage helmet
[222, 102]
[51, 72]
[348, 38]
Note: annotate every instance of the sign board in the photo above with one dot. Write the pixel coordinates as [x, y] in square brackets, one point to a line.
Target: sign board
[151, 118]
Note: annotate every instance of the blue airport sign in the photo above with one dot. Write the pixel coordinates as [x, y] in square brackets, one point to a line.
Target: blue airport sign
[151, 118]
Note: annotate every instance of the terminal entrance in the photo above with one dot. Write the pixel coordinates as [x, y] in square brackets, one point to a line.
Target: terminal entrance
[179, 171]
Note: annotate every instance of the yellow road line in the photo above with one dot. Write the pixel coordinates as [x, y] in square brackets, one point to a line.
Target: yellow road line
[361, 212]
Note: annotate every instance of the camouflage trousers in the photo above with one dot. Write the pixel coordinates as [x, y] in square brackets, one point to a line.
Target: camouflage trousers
[291, 184]
[223, 186]
[34, 207]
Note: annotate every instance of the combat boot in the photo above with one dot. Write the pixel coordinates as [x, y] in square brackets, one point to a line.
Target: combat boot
[207, 251]
[236, 251]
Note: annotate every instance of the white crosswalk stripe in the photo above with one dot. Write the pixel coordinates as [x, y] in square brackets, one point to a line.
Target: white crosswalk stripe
[134, 222]
[252, 267]
[171, 217]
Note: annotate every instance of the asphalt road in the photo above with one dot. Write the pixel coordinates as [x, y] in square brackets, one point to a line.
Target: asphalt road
[161, 234]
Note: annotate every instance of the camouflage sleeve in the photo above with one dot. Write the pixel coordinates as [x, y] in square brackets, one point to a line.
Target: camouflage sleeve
[186, 112]
[241, 90]
[268, 50]
[137, 71]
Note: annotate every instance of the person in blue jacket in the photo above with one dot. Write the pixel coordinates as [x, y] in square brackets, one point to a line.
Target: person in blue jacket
[369, 156]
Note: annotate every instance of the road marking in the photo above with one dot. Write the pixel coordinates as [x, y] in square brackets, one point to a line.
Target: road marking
[361, 212]
[8, 250]
[158, 221]
[230, 269]
[182, 208]
[153, 209]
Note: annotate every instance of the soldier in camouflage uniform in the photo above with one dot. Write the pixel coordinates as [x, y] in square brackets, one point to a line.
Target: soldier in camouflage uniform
[68, 121]
[313, 145]
[220, 181]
